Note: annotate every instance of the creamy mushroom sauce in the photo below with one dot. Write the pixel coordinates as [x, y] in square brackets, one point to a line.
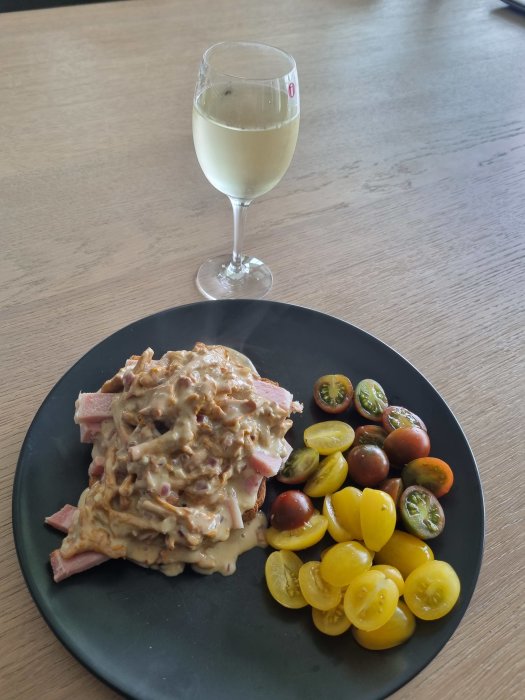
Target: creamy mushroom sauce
[171, 470]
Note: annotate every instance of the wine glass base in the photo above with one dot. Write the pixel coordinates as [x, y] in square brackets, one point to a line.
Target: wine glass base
[216, 279]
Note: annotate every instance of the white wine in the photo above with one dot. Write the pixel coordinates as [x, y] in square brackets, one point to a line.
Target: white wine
[244, 137]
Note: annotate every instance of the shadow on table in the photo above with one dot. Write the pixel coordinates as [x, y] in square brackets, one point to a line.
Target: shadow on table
[15, 5]
[510, 14]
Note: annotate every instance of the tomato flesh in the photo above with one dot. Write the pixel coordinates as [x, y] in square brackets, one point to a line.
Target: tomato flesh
[347, 510]
[330, 476]
[393, 574]
[329, 436]
[432, 590]
[395, 417]
[405, 444]
[316, 591]
[421, 512]
[370, 600]
[370, 399]
[367, 465]
[282, 578]
[405, 552]
[335, 529]
[396, 631]
[432, 473]
[344, 561]
[378, 518]
[299, 538]
[332, 622]
[299, 466]
[370, 435]
[290, 510]
[333, 393]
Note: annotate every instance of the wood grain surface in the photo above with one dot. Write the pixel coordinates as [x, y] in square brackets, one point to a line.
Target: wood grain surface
[403, 213]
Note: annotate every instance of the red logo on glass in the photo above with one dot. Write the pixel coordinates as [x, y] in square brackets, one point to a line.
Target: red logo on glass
[291, 90]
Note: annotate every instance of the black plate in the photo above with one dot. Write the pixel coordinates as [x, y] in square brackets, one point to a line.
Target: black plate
[224, 637]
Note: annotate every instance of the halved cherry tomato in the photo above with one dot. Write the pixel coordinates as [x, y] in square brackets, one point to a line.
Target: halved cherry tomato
[421, 512]
[397, 630]
[370, 399]
[316, 591]
[367, 465]
[432, 590]
[282, 578]
[405, 552]
[303, 537]
[329, 436]
[290, 510]
[378, 518]
[330, 475]
[432, 473]
[333, 393]
[395, 417]
[393, 486]
[347, 508]
[370, 600]
[344, 561]
[332, 622]
[299, 466]
[393, 574]
[370, 435]
[335, 528]
[405, 444]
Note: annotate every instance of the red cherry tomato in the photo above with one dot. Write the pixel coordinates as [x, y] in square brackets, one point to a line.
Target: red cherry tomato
[290, 510]
[370, 435]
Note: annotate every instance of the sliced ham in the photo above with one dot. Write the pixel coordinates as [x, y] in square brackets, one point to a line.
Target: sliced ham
[62, 519]
[265, 463]
[63, 568]
[93, 407]
[235, 511]
[272, 392]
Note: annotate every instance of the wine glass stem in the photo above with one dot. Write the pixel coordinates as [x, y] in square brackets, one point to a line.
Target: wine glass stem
[240, 211]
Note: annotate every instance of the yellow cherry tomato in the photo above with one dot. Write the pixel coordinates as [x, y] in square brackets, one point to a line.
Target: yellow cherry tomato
[343, 562]
[302, 537]
[432, 590]
[332, 622]
[329, 436]
[335, 529]
[347, 509]
[370, 600]
[397, 630]
[282, 578]
[378, 518]
[405, 552]
[328, 477]
[316, 591]
[393, 574]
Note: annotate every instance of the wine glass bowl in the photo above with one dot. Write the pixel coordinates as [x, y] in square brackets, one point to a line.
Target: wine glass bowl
[245, 127]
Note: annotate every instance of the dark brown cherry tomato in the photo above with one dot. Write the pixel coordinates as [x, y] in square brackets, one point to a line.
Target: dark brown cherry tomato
[395, 417]
[421, 512]
[333, 393]
[394, 488]
[291, 509]
[370, 399]
[367, 465]
[405, 444]
[430, 472]
[370, 435]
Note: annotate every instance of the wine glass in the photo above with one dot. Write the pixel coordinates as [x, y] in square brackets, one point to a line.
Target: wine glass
[245, 127]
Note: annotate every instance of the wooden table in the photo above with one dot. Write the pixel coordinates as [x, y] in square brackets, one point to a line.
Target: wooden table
[403, 213]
